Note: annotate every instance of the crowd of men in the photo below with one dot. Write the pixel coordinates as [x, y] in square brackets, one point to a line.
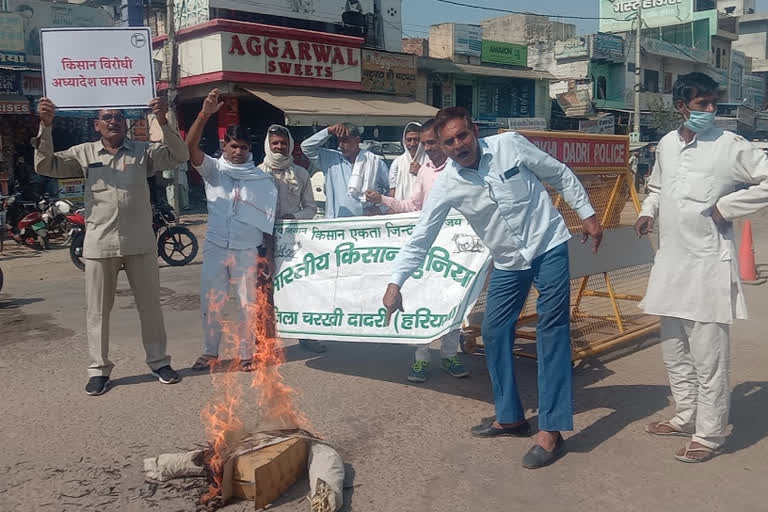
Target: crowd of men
[703, 178]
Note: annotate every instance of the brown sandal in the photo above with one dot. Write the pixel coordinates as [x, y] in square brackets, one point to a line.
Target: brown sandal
[664, 428]
[694, 455]
[204, 362]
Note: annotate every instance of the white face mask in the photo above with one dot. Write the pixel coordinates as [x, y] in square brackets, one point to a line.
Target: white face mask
[699, 121]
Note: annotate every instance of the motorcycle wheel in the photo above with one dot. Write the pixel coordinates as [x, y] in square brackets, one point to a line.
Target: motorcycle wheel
[76, 250]
[1, 279]
[177, 246]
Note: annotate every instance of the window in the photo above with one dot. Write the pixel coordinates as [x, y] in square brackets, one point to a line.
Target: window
[510, 98]
[651, 81]
[717, 57]
[602, 86]
[437, 95]
[667, 83]
[464, 96]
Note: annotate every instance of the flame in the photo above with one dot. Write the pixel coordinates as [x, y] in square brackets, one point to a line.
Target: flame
[221, 416]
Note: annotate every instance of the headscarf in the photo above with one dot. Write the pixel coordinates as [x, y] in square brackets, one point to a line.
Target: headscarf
[406, 180]
[277, 161]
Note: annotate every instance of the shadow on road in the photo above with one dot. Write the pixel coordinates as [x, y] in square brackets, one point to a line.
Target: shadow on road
[749, 416]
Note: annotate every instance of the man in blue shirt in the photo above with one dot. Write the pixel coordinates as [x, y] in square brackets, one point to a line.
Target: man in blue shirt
[338, 166]
[497, 183]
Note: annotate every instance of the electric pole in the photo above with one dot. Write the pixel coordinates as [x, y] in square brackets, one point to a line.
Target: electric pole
[635, 136]
[173, 70]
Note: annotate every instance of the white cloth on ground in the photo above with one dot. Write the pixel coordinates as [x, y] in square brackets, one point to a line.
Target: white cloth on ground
[363, 175]
[697, 356]
[400, 177]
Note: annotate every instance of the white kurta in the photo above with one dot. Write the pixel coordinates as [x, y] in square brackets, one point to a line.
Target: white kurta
[695, 273]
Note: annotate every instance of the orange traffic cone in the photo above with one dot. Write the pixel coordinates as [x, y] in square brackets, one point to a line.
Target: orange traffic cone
[747, 268]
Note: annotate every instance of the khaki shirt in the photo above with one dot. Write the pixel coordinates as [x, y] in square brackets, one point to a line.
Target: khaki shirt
[294, 192]
[118, 215]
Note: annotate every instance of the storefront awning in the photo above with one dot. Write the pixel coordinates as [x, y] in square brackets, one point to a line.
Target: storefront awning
[323, 108]
[448, 67]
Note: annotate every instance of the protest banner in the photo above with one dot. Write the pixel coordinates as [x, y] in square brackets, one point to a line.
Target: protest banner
[331, 275]
[95, 68]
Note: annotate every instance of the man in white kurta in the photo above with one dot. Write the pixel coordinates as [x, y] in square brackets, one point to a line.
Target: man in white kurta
[703, 178]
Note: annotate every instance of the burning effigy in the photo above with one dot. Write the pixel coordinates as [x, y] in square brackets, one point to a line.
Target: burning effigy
[258, 466]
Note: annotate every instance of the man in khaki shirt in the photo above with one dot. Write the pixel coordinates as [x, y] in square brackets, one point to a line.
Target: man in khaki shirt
[118, 227]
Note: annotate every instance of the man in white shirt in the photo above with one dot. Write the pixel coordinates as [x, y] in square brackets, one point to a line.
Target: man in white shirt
[694, 284]
[497, 183]
[242, 202]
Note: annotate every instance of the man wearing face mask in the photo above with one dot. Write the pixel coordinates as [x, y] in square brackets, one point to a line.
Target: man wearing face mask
[405, 168]
[119, 220]
[695, 193]
[242, 200]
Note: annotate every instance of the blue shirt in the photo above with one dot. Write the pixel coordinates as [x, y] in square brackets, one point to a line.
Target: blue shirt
[504, 201]
[338, 170]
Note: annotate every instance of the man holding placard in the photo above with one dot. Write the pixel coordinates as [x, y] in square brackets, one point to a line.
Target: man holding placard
[119, 227]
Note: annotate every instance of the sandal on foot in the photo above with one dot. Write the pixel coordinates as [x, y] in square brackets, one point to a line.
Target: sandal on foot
[246, 365]
[664, 428]
[204, 362]
[693, 454]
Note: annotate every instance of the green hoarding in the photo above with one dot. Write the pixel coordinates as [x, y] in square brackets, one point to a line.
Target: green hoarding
[504, 53]
[619, 15]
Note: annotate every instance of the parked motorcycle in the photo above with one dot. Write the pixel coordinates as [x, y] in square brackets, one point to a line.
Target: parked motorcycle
[24, 223]
[60, 219]
[176, 245]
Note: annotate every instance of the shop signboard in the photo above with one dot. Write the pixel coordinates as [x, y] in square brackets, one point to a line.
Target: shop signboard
[387, 72]
[619, 15]
[524, 123]
[290, 61]
[572, 48]
[11, 38]
[327, 11]
[72, 189]
[604, 125]
[607, 47]
[10, 84]
[37, 14]
[509, 54]
[14, 106]
[98, 68]
[468, 39]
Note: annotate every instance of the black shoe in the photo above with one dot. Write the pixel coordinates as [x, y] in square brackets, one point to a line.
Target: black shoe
[97, 386]
[166, 375]
[537, 457]
[486, 429]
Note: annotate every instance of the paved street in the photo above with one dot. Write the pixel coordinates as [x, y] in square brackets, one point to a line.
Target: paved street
[407, 447]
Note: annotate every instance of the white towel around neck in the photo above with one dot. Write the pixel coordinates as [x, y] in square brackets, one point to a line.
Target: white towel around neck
[363, 175]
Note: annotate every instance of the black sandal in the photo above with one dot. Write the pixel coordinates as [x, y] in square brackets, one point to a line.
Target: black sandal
[204, 362]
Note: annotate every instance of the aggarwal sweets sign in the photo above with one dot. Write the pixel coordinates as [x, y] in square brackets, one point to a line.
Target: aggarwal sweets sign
[251, 52]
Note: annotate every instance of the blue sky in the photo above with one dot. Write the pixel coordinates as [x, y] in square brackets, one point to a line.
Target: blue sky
[419, 14]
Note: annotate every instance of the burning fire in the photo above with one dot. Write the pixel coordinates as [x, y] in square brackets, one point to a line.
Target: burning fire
[221, 416]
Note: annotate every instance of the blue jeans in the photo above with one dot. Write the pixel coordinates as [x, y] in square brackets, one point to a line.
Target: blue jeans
[507, 292]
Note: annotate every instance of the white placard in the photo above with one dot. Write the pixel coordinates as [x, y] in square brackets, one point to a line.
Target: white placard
[96, 68]
[332, 274]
